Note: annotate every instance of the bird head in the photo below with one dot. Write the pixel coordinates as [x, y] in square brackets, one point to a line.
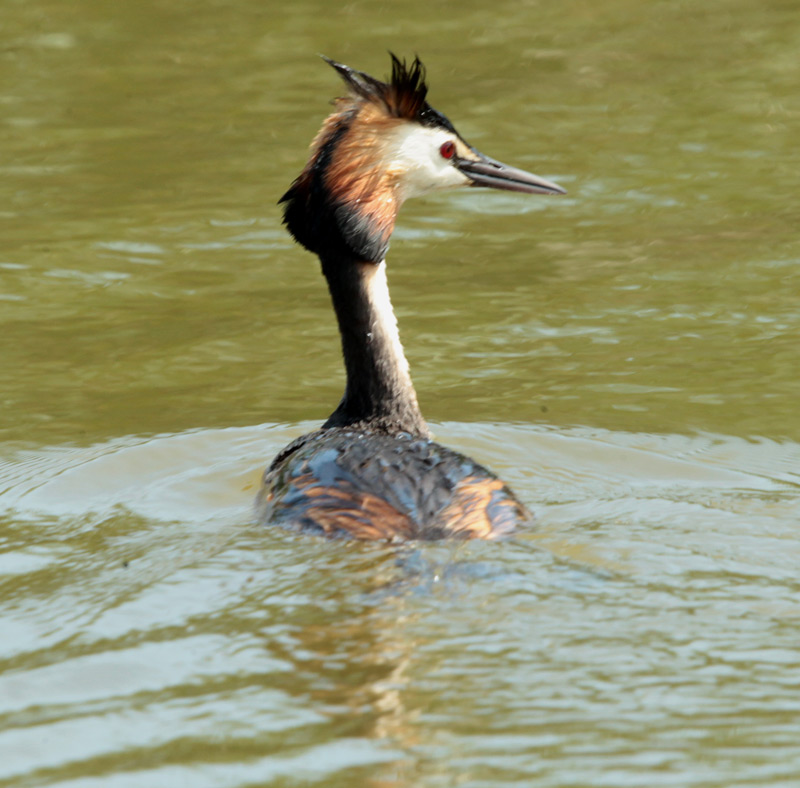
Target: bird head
[383, 144]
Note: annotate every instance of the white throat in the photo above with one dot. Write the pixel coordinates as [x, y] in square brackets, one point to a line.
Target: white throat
[385, 323]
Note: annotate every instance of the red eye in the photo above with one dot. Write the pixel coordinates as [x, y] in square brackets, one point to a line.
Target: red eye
[448, 149]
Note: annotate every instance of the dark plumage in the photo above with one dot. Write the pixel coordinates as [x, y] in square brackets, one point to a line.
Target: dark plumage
[376, 486]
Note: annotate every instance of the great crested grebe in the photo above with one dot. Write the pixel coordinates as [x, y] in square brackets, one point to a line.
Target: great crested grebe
[372, 471]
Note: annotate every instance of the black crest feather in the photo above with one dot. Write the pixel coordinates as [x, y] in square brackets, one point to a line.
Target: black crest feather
[404, 96]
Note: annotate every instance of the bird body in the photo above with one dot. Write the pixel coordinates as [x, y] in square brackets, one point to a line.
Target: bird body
[375, 485]
[372, 471]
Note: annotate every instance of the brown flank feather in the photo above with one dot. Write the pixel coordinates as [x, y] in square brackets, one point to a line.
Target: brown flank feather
[338, 508]
[480, 509]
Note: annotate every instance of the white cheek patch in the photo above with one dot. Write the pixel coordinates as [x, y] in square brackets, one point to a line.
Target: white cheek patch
[415, 155]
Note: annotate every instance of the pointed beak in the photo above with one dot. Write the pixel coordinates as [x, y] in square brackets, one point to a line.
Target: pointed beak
[496, 175]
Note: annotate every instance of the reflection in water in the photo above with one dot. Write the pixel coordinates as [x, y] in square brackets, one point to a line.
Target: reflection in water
[139, 647]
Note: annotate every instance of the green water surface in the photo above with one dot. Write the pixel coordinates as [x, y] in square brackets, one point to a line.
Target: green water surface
[626, 356]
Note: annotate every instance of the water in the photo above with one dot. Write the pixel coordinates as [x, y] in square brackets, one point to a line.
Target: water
[625, 357]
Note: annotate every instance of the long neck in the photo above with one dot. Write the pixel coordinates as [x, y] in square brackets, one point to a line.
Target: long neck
[379, 394]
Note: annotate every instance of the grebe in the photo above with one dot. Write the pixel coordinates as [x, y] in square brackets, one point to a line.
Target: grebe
[372, 471]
